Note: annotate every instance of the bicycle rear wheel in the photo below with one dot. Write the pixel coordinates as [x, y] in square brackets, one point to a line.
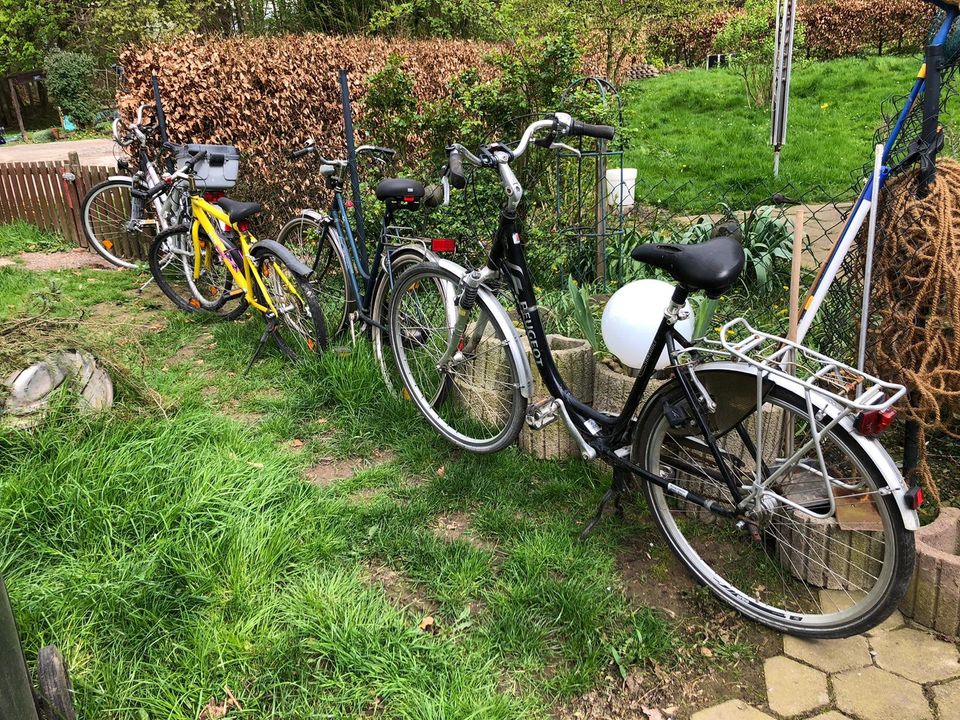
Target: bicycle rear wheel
[830, 576]
[318, 247]
[109, 226]
[474, 398]
[300, 329]
[394, 265]
[172, 259]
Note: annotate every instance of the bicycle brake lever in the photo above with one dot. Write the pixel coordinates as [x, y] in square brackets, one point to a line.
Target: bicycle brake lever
[564, 146]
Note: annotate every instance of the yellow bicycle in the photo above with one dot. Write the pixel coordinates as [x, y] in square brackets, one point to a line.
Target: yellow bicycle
[214, 264]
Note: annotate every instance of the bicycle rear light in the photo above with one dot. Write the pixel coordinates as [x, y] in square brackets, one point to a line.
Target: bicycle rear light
[443, 245]
[211, 196]
[914, 498]
[873, 422]
[243, 226]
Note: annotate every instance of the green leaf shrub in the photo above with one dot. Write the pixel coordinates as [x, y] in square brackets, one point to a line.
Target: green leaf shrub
[70, 83]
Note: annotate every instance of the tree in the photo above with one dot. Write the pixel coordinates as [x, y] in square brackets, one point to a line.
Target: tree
[27, 29]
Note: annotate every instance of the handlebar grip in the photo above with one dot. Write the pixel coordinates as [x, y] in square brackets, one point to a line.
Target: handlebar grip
[195, 158]
[600, 132]
[455, 172]
[302, 151]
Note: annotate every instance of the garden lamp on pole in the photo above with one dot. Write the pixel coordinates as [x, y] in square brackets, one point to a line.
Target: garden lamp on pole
[782, 68]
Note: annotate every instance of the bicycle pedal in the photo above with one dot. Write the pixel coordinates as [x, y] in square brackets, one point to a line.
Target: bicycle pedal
[542, 414]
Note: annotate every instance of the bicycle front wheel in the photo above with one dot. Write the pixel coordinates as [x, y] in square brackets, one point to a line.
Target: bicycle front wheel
[805, 567]
[299, 325]
[466, 384]
[110, 226]
[201, 284]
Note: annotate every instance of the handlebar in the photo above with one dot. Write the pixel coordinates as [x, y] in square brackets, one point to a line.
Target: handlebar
[559, 125]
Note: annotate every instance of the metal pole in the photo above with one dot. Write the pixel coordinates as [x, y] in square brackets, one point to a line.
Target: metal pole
[868, 261]
[352, 160]
[161, 119]
[601, 249]
[782, 70]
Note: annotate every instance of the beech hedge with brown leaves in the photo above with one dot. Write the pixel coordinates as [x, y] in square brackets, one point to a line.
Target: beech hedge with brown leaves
[834, 28]
[267, 95]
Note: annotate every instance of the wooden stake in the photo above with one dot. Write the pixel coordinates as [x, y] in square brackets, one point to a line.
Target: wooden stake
[795, 274]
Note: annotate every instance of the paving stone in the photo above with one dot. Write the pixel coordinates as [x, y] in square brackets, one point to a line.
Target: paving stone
[792, 688]
[831, 715]
[947, 699]
[829, 655]
[916, 655]
[731, 710]
[874, 694]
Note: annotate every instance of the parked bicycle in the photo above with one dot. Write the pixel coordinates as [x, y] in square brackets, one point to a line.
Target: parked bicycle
[214, 264]
[353, 288]
[118, 221]
[770, 486]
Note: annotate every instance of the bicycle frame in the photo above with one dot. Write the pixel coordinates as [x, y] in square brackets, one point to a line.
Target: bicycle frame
[597, 433]
[247, 277]
[356, 257]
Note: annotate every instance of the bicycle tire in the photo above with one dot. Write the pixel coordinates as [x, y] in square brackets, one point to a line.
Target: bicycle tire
[316, 245]
[399, 261]
[229, 305]
[300, 325]
[105, 211]
[482, 391]
[791, 549]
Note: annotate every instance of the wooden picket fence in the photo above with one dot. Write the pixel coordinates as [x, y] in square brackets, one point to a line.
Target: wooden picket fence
[49, 195]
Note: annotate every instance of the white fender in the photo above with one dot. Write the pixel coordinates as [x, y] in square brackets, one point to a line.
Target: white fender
[502, 319]
[871, 447]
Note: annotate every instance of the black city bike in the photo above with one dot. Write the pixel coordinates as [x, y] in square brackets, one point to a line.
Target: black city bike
[758, 458]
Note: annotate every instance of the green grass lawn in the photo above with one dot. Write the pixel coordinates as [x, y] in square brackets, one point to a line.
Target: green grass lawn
[173, 547]
[696, 127]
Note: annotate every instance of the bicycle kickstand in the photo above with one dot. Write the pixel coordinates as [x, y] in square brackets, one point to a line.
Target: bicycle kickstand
[618, 488]
[265, 337]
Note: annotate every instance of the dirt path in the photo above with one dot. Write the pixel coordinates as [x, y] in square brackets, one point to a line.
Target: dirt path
[47, 261]
[91, 152]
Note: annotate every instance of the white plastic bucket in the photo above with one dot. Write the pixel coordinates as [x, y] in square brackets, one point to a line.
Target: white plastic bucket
[621, 184]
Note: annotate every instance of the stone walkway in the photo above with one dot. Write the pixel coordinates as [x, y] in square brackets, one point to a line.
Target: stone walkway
[893, 671]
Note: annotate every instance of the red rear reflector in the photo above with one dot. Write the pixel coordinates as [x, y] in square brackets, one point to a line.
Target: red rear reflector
[914, 498]
[211, 196]
[443, 245]
[243, 226]
[409, 199]
[873, 422]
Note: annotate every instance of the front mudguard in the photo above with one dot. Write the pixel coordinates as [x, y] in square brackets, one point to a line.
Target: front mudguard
[727, 382]
[502, 319]
[289, 259]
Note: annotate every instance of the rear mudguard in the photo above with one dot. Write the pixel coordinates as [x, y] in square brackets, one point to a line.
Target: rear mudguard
[288, 258]
[502, 319]
[726, 376]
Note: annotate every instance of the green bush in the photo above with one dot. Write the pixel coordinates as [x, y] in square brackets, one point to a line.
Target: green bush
[70, 83]
[42, 136]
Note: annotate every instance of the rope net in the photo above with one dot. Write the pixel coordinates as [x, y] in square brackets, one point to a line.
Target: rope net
[916, 300]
